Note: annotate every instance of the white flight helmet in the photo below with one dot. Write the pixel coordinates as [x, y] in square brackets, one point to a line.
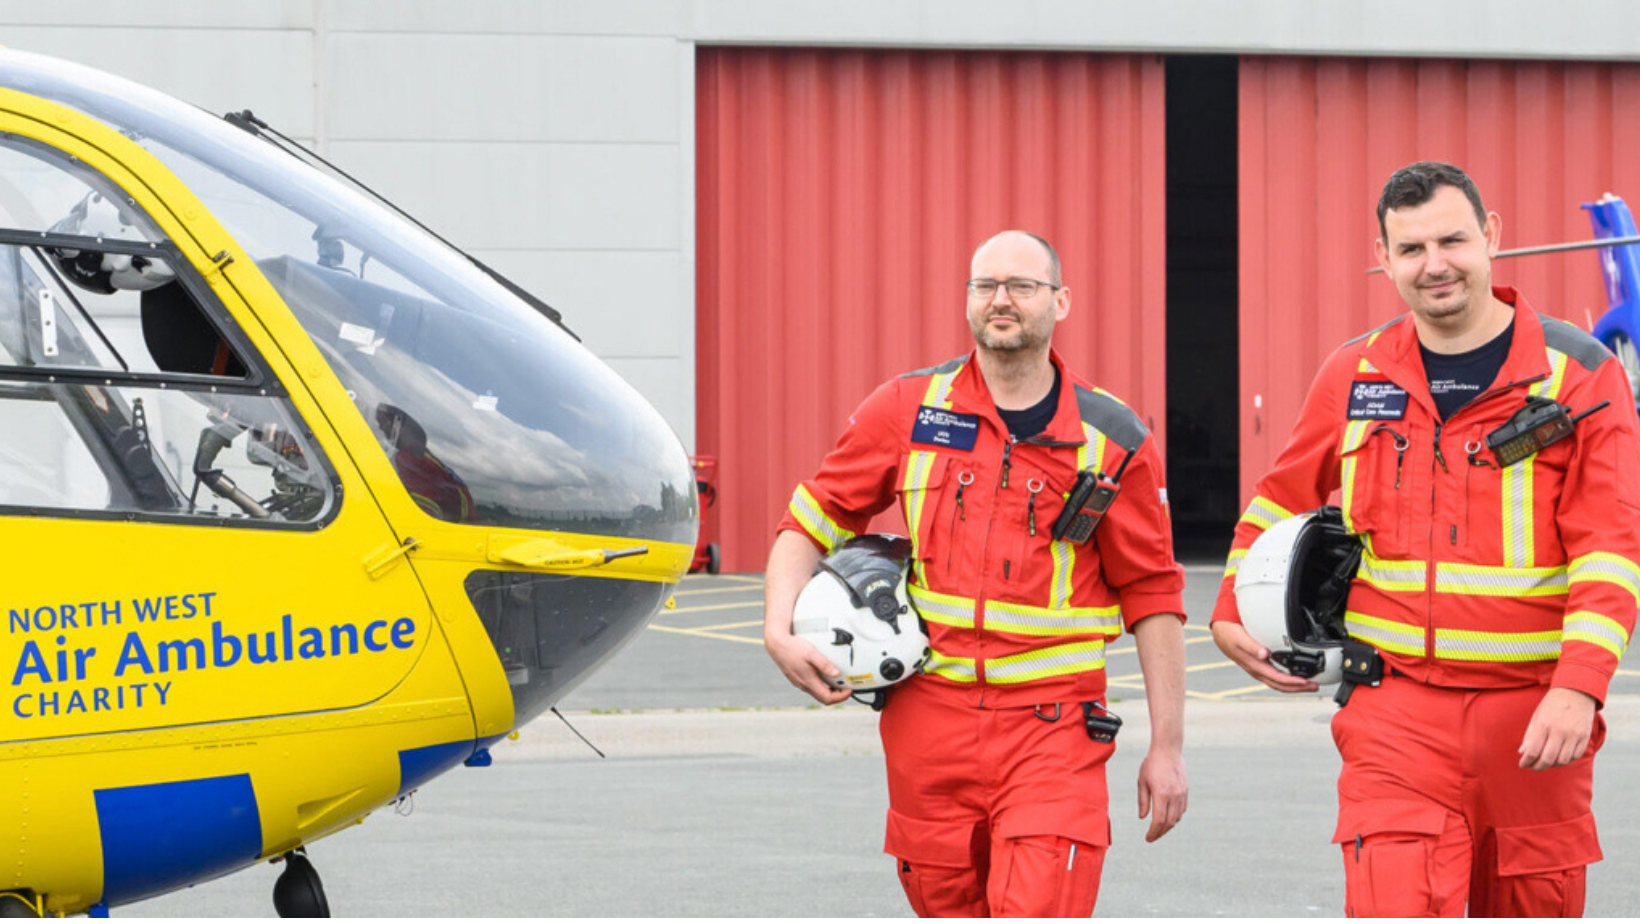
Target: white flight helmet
[856, 612]
[99, 271]
[1292, 588]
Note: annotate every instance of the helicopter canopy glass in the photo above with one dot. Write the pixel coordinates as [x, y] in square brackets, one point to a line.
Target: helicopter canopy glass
[491, 412]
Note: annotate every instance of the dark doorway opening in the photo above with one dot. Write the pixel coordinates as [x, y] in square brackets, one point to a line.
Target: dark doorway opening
[1202, 298]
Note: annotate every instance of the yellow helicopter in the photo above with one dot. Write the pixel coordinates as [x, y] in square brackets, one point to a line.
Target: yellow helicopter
[300, 506]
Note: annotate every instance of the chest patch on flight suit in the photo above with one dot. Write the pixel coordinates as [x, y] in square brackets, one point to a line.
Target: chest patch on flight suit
[939, 427]
[1377, 401]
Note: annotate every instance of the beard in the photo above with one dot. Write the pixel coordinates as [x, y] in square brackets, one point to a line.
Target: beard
[1023, 337]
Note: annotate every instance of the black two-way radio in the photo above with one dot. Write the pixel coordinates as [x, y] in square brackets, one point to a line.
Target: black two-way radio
[1535, 427]
[1089, 499]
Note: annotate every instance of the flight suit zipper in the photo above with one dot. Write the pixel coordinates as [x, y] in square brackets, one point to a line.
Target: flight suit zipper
[1434, 506]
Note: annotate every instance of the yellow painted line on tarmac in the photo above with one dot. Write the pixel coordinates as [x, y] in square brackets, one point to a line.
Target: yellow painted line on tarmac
[722, 637]
[1225, 694]
[1628, 673]
[747, 604]
[740, 589]
[737, 579]
[1190, 669]
[728, 625]
[1140, 686]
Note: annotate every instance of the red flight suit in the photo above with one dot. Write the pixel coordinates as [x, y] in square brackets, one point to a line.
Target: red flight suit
[997, 799]
[1481, 587]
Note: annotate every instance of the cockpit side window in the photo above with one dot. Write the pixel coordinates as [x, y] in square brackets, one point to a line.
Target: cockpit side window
[124, 385]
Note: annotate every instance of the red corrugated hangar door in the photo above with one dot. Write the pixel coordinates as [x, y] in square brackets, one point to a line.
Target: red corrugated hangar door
[1317, 140]
[840, 195]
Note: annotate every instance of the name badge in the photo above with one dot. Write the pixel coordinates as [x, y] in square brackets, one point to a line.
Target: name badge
[939, 427]
[1377, 401]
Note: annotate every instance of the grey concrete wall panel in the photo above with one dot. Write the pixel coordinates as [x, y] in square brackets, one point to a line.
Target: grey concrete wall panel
[269, 71]
[622, 304]
[1603, 29]
[530, 196]
[148, 14]
[389, 87]
[512, 17]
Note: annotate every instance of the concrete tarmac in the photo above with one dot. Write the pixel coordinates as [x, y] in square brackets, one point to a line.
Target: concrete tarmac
[723, 794]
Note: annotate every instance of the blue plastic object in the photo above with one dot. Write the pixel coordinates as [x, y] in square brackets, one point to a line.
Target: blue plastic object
[1619, 327]
[480, 758]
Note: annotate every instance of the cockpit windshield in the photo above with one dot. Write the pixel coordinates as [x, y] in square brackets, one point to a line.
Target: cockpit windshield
[490, 412]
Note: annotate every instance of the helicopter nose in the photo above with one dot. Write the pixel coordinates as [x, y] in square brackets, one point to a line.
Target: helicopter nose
[551, 631]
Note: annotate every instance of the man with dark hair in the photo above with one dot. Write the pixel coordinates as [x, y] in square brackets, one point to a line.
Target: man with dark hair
[996, 753]
[1489, 460]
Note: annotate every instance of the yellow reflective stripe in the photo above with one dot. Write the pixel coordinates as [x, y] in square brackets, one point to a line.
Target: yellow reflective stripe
[1518, 549]
[919, 465]
[1264, 512]
[1064, 561]
[1385, 634]
[1394, 576]
[1035, 620]
[1233, 563]
[1605, 566]
[1489, 581]
[1091, 454]
[959, 669]
[1550, 387]
[1043, 663]
[1363, 365]
[806, 510]
[1354, 433]
[1596, 629]
[1499, 647]
[939, 389]
[956, 612]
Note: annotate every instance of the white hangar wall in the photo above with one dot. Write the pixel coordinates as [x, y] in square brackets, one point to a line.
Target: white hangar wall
[555, 138]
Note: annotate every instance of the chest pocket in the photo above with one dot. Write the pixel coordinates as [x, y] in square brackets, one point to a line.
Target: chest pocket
[1373, 478]
[920, 489]
[1501, 520]
[1037, 559]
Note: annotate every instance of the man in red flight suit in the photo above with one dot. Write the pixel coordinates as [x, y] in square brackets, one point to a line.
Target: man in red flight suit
[997, 799]
[1499, 588]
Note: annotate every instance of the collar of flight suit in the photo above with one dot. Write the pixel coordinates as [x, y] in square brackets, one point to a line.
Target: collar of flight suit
[1395, 352]
[970, 394]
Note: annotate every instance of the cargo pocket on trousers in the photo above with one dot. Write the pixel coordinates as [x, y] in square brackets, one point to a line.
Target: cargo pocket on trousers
[1389, 848]
[1541, 867]
[935, 864]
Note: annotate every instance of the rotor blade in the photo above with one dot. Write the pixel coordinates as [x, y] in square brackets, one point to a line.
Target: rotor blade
[1553, 248]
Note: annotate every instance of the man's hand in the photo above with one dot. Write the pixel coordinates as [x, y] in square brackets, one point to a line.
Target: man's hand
[805, 667]
[1559, 731]
[1162, 786]
[1254, 658]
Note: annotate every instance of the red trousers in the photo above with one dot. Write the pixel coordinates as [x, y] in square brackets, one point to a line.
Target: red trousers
[994, 812]
[1435, 812]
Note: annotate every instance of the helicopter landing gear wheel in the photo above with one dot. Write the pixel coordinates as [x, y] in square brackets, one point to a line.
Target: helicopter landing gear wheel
[298, 893]
[1626, 354]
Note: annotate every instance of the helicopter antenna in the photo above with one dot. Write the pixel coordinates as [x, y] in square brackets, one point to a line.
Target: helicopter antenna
[1598, 243]
[248, 121]
[589, 744]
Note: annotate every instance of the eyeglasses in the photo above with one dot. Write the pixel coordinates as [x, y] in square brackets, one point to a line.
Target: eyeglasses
[1019, 288]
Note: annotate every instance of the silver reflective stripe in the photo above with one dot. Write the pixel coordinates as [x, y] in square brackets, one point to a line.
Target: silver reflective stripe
[1048, 662]
[1500, 582]
[1596, 630]
[808, 512]
[1030, 620]
[960, 669]
[1603, 566]
[940, 608]
[1393, 575]
[1457, 645]
[1390, 636]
